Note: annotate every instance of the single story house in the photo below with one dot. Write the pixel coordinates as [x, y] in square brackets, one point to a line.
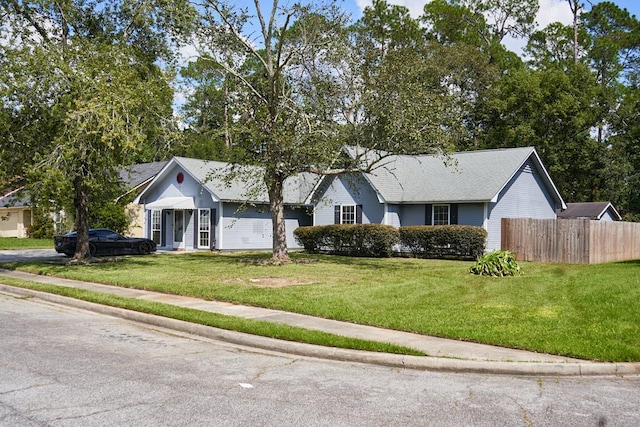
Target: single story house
[15, 213]
[600, 211]
[189, 204]
[194, 204]
[469, 188]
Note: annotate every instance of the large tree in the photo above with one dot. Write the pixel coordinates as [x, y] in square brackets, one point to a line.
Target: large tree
[82, 83]
[303, 84]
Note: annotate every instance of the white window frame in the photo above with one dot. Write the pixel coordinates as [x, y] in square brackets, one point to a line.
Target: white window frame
[204, 229]
[435, 221]
[156, 227]
[343, 212]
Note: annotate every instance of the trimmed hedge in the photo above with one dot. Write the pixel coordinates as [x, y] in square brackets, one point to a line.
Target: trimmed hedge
[444, 241]
[367, 240]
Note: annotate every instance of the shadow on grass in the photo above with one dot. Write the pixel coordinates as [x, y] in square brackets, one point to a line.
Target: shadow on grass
[630, 262]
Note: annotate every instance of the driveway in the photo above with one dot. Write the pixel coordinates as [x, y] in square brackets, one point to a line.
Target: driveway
[28, 255]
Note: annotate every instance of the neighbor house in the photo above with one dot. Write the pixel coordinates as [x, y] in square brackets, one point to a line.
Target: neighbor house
[469, 188]
[15, 213]
[600, 211]
[195, 204]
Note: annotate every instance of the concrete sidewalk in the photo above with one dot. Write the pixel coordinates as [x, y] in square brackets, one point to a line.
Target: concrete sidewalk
[444, 354]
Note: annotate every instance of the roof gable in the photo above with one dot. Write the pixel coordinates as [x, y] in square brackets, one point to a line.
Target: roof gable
[592, 210]
[211, 175]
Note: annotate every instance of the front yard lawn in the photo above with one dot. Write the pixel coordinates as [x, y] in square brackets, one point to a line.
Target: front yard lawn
[15, 243]
[590, 312]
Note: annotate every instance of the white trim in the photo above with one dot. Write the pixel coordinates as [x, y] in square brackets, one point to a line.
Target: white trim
[159, 229]
[201, 230]
[615, 215]
[220, 229]
[433, 213]
[183, 203]
[355, 213]
[485, 219]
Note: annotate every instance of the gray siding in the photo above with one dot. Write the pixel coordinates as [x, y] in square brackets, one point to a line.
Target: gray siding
[251, 228]
[525, 196]
[468, 214]
[348, 190]
[471, 214]
[394, 213]
[169, 187]
[412, 215]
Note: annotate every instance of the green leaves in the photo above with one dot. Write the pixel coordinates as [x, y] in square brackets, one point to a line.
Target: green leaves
[84, 94]
[497, 263]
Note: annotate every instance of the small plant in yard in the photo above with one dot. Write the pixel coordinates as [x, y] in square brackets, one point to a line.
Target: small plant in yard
[497, 263]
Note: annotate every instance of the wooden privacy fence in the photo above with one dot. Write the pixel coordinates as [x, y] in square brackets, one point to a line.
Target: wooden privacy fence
[572, 241]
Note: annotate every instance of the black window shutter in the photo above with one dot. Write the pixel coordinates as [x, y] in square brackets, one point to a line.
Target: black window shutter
[336, 214]
[453, 214]
[428, 214]
[163, 231]
[358, 214]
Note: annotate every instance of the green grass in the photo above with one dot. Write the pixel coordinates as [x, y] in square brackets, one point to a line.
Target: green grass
[250, 326]
[14, 243]
[589, 312]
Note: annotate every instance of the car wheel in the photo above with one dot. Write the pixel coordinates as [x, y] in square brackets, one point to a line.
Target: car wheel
[144, 248]
[92, 249]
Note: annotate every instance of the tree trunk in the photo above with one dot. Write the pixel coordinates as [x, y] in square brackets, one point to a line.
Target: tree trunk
[81, 205]
[275, 185]
[575, 8]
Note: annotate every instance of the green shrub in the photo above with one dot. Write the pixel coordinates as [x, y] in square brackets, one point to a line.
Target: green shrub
[370, 240]
[309, 238]
[444, 241]
[497, 263]
[41, 227]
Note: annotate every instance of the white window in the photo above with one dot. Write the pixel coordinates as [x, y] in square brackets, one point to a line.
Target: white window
[155, 225]
[204, 228]
[440, 214]
[348, 214]
[59, 222]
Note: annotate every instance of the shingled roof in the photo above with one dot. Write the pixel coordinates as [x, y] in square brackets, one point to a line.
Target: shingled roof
[136, 175]
[470, 176]
[211, 174]
[591, 210]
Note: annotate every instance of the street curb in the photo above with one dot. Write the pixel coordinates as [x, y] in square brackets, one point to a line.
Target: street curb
[425, 363]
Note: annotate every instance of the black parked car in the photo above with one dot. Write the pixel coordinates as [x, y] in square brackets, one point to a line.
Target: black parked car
[103, 241]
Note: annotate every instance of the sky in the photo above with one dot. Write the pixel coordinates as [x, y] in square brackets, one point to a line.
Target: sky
[550, 11]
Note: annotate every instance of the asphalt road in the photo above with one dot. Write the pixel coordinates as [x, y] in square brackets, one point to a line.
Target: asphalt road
[66, 367]
[28, 254]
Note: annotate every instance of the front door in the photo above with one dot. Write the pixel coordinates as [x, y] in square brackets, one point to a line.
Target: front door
[178, 229]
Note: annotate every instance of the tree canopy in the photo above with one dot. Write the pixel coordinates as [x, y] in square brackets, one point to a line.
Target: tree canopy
[82, 94]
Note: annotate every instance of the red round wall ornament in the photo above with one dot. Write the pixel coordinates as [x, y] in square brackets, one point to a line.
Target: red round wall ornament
[180, 177]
